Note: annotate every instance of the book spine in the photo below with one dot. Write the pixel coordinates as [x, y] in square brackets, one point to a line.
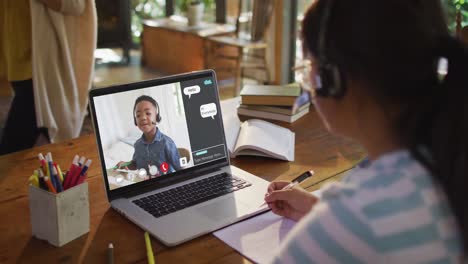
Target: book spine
[268, 100]
[285, 110]
[261, 114]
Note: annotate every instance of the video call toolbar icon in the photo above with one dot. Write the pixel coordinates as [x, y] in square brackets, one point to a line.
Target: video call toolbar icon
[183, 161]
[164, 167]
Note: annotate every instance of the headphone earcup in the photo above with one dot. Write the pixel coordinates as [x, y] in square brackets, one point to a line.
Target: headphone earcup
[331, 82]
[158, 117]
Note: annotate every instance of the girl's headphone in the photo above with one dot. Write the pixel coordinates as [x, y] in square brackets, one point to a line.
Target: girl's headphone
[330, 80]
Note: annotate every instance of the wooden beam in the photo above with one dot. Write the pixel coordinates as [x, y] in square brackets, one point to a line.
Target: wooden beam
[169, 8]
[220, 11]
[278, 29]
[284, 40]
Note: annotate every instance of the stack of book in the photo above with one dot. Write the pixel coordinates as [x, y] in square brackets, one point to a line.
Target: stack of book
[275, 102]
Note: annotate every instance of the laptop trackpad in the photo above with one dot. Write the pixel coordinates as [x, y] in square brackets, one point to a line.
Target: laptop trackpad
[223, 209]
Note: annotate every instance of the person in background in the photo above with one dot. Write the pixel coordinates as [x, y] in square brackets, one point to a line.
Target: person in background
[46, 53]
[376, 75]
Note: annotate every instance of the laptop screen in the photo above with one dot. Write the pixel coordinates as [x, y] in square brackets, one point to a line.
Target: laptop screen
[157, 129]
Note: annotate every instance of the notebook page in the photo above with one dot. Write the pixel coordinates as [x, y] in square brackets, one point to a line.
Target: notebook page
[259, 134]
[258, 238]
[231, 121]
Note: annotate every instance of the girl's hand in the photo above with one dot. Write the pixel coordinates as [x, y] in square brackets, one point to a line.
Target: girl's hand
[292, 203]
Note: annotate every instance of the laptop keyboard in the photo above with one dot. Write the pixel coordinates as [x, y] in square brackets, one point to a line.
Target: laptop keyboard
[172, 200]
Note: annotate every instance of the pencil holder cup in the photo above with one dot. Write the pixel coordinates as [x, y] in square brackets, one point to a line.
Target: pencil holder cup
[59, 218]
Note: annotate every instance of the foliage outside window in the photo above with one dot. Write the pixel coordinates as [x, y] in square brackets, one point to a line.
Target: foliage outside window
[149, 9]
[181, 8]
[451, 8]
[181, 5]
[145, 9]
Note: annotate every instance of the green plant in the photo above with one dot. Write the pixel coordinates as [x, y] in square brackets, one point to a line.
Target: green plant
[183, 4]
[451, 8]
[148, 9]
[144, 9]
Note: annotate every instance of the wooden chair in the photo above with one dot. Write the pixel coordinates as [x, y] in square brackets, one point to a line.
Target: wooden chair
[249, 47]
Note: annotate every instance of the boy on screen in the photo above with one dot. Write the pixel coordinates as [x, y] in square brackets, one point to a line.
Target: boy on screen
[154, 151]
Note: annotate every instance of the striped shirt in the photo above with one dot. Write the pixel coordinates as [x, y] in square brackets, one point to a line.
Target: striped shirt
[389, 212]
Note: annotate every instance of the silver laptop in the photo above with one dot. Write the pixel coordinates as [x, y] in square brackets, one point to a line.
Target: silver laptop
[173, 177]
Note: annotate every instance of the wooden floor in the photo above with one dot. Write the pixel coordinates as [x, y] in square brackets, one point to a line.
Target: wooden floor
[107, 74]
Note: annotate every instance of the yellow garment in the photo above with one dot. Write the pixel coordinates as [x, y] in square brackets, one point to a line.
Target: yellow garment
[15, 40]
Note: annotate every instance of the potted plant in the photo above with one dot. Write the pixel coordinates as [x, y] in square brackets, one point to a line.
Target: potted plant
[195, 10]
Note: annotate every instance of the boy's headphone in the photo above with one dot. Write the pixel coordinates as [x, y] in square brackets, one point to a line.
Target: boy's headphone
[330, 81]
[153, 102]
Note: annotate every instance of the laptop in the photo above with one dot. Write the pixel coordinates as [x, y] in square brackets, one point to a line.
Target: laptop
[174, 177]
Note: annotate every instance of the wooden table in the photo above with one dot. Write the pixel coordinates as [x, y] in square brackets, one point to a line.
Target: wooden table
[170, 46]
[316, 149]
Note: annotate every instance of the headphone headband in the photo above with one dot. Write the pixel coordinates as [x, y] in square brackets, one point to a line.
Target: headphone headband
[331, 82]
[323, 31]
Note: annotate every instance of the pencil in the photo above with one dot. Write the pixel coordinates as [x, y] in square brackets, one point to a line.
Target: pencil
[110, 254]
[296, 181]
[42, 183]
[50, 185]
[33, 180]
[59, 172]
[149, 249]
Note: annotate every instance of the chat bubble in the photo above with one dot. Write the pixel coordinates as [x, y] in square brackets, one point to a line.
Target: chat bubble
[208, 110]
[191, 90]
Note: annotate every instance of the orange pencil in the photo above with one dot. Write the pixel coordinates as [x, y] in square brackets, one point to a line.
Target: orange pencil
[50, 185]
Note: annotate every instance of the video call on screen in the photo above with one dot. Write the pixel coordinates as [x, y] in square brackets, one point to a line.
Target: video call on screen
[203, 121]
[190, 118]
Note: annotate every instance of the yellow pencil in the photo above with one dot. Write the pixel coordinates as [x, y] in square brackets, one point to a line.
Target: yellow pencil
[33, 180]
[47, 169]
[60, 173]
[149, 249]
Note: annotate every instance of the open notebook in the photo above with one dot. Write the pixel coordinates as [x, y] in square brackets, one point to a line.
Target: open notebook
[256, 137]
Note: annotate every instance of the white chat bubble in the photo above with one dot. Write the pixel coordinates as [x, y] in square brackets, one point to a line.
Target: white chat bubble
[191, 90]
[208, 110]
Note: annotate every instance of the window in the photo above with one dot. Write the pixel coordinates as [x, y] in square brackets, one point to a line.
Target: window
[302, 6]
[145, 9]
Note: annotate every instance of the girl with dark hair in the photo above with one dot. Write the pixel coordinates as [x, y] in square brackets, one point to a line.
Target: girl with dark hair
[377, 75]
